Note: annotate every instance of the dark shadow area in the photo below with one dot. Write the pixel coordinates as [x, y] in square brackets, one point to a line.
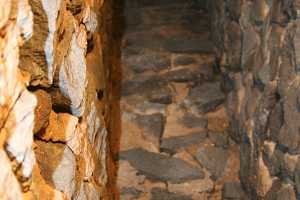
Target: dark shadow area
[112, 95]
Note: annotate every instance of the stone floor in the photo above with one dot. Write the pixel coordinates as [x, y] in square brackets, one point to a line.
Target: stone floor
[175, 143]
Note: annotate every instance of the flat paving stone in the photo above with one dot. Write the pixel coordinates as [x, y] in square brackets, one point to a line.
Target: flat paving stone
[160, 167]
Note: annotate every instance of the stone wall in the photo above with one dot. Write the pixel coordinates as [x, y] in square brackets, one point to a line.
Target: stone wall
[174, 140]
[259, 57]
[54, 85]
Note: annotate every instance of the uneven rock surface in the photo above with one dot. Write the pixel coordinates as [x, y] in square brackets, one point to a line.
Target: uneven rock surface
[174, 138]
[53, 129]
[258, 51]
[149, 99]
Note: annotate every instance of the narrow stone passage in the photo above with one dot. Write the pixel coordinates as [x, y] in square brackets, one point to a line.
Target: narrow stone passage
[174, 142]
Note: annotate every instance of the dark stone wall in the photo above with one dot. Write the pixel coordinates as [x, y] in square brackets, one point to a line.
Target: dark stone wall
[258, 54]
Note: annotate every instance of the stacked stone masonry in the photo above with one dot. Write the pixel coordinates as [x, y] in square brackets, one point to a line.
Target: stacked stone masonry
[174, 141]
[54, 83]
[196, 100]
[258, 52]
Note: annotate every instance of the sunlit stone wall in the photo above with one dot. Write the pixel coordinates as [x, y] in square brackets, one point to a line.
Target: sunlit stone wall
[53, 94]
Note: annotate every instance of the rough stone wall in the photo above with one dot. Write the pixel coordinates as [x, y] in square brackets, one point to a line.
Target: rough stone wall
[174, 140]
[53, 98]
[259, 57]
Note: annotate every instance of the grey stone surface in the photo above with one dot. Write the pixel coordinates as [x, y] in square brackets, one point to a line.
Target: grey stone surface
[183, 75]
[133, 192]
[162, 98]
[162, 194]
[144, 86]
[219, 139]
[233, 190]
[184, 60]
[173, 144]
[192, 121]
[151, 124]
[159, 167]
[214, 159]
[145, 61]
[184, 45]
[205, 97]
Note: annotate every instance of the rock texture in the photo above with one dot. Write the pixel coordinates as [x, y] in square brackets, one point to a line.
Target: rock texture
[149, 99]
[53, 125]
[258, 52]
[174, 139]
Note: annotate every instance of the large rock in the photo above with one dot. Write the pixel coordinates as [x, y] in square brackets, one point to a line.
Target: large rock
[60, 172]
[37, 55]
[19, 125]
[72, 74]
[160, 167]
